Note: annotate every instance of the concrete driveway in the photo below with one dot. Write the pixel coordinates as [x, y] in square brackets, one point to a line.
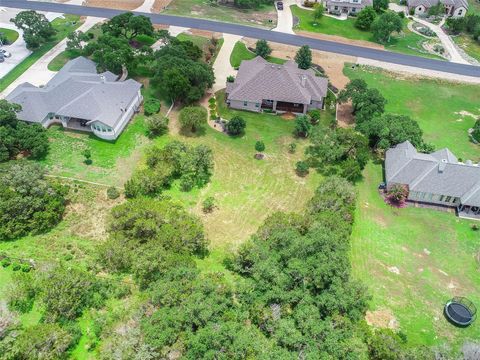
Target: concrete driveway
[18, 50]
[221, 67]
[285, 17]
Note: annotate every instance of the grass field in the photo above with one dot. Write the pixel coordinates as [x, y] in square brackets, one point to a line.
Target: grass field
[406, 43]
[414, 260]
[64, 26]
[445, 111]
[10, 35]
[61, 59]
[112, 161]
[265, 16]
[247, 190]
[240, 52]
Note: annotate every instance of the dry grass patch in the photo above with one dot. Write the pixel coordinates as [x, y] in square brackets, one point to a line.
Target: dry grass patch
[116, 4]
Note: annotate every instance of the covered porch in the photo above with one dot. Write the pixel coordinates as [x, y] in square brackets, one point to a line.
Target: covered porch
[283, 106]
[469, 212]
[78, 125]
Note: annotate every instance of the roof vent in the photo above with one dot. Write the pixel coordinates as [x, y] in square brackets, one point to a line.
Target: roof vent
[442, 166]
[304, 80]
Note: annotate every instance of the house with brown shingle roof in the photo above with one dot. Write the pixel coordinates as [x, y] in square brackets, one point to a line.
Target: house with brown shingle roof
[261, 85]
[453, 8]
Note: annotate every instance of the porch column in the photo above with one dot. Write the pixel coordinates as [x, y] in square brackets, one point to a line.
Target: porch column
[305, 107]
[274, 108]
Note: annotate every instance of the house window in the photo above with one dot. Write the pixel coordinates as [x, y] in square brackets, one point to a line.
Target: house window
[460, 12]
[257, 105]
[353, 9]
[245, 103]
[430, 196]
[448, 198]
[336, 8]
[441, 198]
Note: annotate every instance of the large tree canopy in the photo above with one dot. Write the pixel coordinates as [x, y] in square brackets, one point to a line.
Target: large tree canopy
[180, 74]
[28, 202]
[385, 25]
[111, 53]
[36, 28]
[366, 103]
[128, 26]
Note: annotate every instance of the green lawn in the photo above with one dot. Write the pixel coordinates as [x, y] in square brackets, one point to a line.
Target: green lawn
[61, 59]
[10, 35]
[63, 26]
[112, 161]
[200, 41]
[240, 52]
[441, 108]
[265, 16]
[413, 260]
[406, 43]
[468, 44]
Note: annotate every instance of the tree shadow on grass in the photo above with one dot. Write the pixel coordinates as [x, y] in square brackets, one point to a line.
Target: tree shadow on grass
[201, 131]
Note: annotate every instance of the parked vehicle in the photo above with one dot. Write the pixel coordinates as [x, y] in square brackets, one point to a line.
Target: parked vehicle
[5, 53]
[280, 5]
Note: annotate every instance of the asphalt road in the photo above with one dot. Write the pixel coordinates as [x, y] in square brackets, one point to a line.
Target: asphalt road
[251, 32]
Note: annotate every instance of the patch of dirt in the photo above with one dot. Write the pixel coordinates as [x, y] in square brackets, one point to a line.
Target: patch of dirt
[345, 117]
[288, 116]
[394, 269]
[466, 113]
[115, 4]
[381, 319]
[340, 39]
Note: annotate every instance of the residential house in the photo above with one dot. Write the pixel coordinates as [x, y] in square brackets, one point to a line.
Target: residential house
[79, 98]
[349, 7]
[261, 85]
[453, 8]
[437, 178]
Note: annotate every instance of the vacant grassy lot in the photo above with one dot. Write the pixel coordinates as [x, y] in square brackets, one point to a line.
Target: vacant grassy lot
[444, 110]
[266, 16]
[64, 27]
[240, 52]
[247, 190]
[414, 260]
[407, 42]
[10, 35]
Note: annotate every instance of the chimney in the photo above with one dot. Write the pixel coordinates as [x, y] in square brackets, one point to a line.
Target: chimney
[442, 165]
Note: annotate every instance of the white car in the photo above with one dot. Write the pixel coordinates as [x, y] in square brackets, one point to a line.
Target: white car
[5, 53]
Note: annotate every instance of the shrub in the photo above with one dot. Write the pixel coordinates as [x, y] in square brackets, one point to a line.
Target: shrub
[212, 101]
[113, 193]
[145, 40]
[151, 106]
[301, 168]
[6, 262]
[26, 268]
[260, 146]
[236, 125]
[20, 293]
[157, 125]
[208, 204]
[16, 266]
[397, 195]
[230, 78]
[87, 155]
[476, 131]
[193, 117]
[315, 116]
[474, 227]
[292, 147]
[303, 126]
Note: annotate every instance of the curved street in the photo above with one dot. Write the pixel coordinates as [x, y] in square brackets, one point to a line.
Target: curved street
[251, 32]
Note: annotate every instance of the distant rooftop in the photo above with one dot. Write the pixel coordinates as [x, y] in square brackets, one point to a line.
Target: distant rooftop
[438, 173]
[77, 91]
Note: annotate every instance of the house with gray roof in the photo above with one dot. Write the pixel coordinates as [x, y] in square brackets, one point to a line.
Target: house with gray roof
[79, 98]
[261, 85]
[349, 7]
[437, 178]
[453, 8]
